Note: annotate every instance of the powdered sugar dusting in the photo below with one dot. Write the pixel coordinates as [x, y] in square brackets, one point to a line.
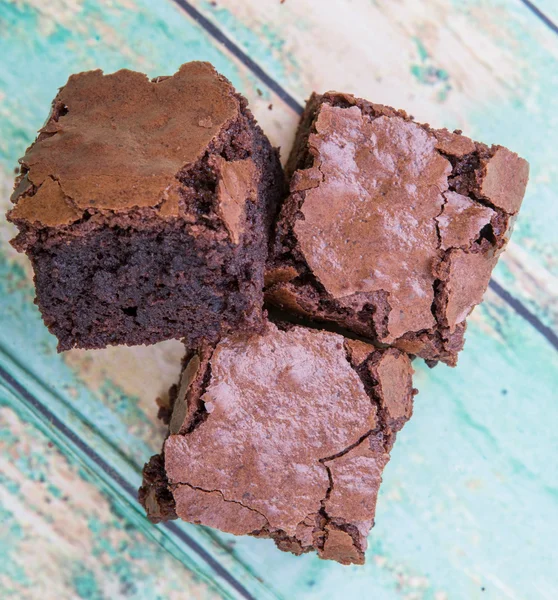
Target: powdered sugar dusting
[461, 220]
[280, 402]
[370, 225]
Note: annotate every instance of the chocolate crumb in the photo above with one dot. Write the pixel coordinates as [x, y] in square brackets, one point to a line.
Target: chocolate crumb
[205, 122]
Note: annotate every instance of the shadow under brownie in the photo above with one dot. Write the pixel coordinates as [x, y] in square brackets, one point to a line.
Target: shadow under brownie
[145, 206]
[392, 228]
[282, 435]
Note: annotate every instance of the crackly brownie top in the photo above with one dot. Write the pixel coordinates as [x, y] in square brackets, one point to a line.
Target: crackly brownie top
[290, 432]
[117, 141]
[380, 206]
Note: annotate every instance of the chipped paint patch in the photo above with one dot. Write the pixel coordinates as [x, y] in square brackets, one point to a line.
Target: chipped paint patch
[65, 538]
[7, 230]
[427, 73]
[128, 380]
[144, 372]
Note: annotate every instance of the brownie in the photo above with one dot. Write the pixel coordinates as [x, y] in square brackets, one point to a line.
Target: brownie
[284, 435]
[392, 228]
[145, 207]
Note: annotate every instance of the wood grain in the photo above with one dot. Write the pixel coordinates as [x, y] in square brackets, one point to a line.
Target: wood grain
[470, 481]
[63, 538]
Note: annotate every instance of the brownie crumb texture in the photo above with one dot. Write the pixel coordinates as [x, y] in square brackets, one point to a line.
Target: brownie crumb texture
[144, 206]
[392, 228]
[283, 435]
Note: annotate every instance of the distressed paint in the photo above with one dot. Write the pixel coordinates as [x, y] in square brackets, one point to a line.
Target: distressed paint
[487, 67]
[62, 537]
[464, 490]
[458, 400]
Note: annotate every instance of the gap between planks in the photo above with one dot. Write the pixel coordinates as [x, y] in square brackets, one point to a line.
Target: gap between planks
[541, 15]
[83, 448]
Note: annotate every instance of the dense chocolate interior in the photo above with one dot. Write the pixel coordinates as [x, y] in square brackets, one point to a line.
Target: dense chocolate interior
[150, 224]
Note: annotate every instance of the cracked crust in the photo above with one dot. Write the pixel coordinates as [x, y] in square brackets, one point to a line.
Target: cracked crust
[101, 153]
[286, 437]
[151, 224]
[392, 228]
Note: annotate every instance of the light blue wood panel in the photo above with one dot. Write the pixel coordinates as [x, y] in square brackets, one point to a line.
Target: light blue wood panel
[471, 480]
[63, 536]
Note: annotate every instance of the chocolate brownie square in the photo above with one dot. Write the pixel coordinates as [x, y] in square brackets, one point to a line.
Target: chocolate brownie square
[144, 206]
[283, 435]
[391, 228]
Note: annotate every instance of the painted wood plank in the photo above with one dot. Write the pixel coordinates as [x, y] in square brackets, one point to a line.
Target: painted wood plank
[489, 67]
[461, 396]
[62, 537]
[399, 570]
[464, 473]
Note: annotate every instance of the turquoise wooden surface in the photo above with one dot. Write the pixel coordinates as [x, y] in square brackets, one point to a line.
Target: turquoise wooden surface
[469, 506]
